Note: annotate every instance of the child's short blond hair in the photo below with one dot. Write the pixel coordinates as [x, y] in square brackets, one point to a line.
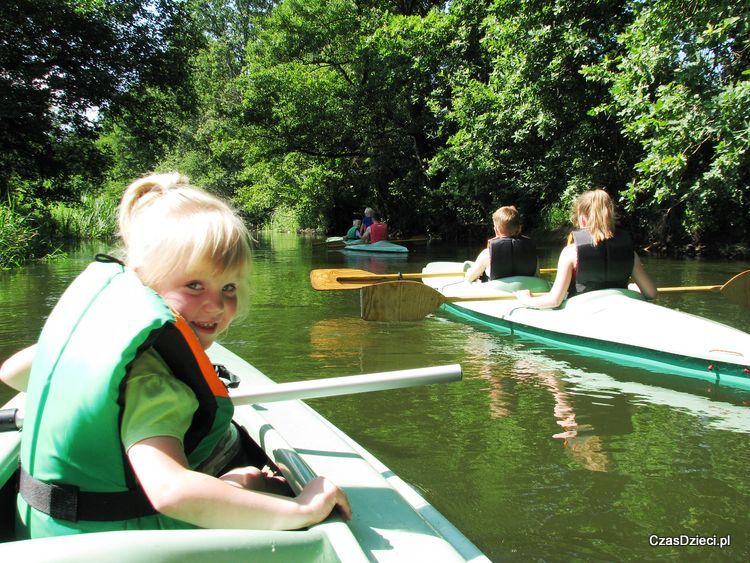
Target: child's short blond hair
[166, 224]
[507, 220]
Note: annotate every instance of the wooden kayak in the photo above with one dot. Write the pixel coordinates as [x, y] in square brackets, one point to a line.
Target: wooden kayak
[613, 324]
[380, 246]
[391, 522]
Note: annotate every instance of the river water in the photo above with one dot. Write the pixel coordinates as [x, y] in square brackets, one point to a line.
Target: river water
[538, 454]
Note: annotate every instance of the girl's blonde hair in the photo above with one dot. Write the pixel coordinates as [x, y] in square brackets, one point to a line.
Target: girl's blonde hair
[166, 224]
[599, 210]
[507, 220]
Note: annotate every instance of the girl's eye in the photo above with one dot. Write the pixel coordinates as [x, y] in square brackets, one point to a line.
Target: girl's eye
[197, 286]
[230, 288]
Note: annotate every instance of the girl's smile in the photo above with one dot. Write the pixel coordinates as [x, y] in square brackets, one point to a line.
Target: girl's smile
[207, 300]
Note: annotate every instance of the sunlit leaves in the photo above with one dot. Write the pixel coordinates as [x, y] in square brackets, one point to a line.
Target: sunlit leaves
[679, 90]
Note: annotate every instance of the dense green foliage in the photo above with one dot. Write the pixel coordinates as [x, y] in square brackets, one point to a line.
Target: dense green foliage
[433, 112]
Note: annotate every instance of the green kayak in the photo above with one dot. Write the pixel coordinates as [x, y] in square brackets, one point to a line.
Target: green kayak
[380, 246]
[391, 522]
[614, 324]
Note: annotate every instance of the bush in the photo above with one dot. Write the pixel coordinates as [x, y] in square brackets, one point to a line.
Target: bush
[94, 218]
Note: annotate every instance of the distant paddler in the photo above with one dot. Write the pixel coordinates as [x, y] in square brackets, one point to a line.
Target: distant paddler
[353, 232]
[377, 231]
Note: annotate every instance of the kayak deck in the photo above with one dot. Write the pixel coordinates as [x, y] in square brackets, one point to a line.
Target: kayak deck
[391, 521]
[613, 324]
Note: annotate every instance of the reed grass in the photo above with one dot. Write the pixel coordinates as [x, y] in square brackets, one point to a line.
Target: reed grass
[95, 217]
[16, 238]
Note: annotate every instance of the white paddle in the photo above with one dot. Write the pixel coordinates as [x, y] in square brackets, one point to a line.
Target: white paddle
[12, 419]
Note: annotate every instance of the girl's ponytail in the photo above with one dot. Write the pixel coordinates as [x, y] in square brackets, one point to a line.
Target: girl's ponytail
[141, 194]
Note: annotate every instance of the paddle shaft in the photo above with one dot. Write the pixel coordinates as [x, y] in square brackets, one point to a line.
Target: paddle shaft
[416, 276]
[348, 385]
[12, 419]
[349, 278]
[689, 289]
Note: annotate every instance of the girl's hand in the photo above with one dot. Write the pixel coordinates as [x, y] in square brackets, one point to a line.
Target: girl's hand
[523, 296]
[321, 496]
[255, 479]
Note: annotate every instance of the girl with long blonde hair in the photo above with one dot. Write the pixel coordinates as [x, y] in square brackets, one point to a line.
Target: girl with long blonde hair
[598, 256]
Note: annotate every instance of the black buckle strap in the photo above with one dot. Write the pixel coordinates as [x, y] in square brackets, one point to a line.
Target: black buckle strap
[68, 502]
[229, 379]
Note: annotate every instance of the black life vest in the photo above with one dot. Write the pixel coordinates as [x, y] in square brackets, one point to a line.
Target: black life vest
[602, 266]
[512, 256]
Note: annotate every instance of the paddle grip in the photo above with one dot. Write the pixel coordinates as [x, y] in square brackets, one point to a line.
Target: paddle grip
[9, 420]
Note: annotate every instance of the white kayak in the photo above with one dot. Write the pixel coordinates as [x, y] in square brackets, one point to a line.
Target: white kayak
[380, 246]
[391, 522]
[614, 324]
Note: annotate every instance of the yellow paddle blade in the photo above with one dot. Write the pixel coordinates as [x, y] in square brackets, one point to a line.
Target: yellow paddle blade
[737, 289]
[328, 279]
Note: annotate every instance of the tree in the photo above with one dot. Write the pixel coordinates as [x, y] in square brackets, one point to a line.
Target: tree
[519, 122]
[680, 89]
[64, 61]
[343, 87]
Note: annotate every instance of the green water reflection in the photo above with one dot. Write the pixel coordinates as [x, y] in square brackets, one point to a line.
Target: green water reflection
[538, 454]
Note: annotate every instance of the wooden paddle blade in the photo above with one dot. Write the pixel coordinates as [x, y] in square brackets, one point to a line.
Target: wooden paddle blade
[327, 279]
[737, 289]
[398, 301]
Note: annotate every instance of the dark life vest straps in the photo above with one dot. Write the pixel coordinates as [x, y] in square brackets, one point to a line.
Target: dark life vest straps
[68, 502]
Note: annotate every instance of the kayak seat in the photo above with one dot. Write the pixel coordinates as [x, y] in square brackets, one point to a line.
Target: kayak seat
[515, 283]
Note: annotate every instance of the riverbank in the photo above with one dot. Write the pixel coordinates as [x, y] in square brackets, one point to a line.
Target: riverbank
[546, 238]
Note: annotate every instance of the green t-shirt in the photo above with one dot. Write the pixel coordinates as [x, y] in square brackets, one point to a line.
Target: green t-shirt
[156, 402]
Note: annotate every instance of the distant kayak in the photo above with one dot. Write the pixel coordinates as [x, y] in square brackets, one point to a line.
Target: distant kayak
[380, 246]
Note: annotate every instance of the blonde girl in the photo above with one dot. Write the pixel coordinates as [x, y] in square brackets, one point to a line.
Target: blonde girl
[594, 249]
[165, 408]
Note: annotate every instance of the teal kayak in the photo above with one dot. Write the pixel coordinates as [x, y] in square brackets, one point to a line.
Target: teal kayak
[380, 246]
[614, 324]
[391, 521]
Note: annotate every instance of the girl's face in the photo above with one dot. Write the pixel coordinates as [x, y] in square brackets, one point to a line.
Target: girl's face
[207, 301]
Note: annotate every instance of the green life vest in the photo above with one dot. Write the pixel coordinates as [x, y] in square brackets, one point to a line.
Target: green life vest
[74, 471]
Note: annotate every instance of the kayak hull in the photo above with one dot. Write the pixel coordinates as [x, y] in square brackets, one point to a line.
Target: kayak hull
[382, 246]
[391, 521]
[614, 324]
